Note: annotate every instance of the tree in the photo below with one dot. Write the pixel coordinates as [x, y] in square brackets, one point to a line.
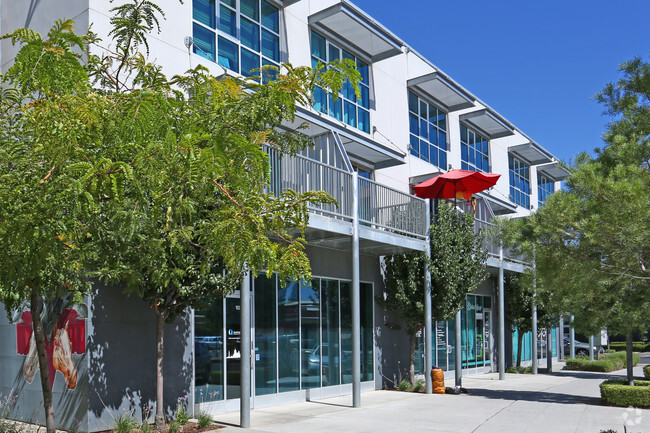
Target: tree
[50, 175]
[593, 239]
[457, 267]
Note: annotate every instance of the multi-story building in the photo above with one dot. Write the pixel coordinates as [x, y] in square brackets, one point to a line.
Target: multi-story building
[410, 122]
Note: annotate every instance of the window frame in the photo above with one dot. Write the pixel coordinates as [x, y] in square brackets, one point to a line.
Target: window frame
[323, 97]
[543, 189]
[420, 138]
[465, 163]
[218, 33]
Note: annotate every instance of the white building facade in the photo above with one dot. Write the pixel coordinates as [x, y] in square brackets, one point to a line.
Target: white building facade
[410, 122]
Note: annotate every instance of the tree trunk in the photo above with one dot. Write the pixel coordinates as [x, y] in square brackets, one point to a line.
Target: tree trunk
[160, 338]
[520, 343]
[412, 360]
[39, 336]
[629, 349]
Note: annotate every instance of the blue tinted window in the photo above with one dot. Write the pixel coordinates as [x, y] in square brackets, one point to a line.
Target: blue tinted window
[227, 21]
[363, 70]
[413, 124]
[269, 74]
[250, 34]
[270, 45]
[249, 62]
[320, 99]
[519, 182]
[270, 16]
[228, 54]
[414, 145]
[335, 107]
[364, 100]
[363, 120]
[318, 46]
[425, 120]
[250, 8]
[203, 42]
[334, 53]
[474, 150]
[350, 113]
[203, 11]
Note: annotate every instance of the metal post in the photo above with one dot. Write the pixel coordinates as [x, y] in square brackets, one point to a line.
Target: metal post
[245, 349]
[534, 318]
[458, 350]
[356, 309]
[193, 349]
[572, 338]
[549, 350]
[428, 328]
[591, 348]
[560, 340]
[502, 320]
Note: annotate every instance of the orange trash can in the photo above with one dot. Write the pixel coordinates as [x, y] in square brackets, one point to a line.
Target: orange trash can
[438, 380]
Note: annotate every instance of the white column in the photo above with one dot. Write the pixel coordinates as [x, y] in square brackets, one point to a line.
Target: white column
[354, 298]
[245, 349]
[502, 321]
[428, 328]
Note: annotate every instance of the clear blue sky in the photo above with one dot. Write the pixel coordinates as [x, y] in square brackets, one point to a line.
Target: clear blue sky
[537, 63]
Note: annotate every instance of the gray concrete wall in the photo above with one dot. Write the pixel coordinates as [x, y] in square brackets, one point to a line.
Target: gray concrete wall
[122, 359]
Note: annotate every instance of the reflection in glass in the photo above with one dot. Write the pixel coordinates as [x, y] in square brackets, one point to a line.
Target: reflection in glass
[310, 326]
[288, 337]
[330, 328]
[265, 341]
[346, 333]
[233, 344]
[208, 353]
[367, 370]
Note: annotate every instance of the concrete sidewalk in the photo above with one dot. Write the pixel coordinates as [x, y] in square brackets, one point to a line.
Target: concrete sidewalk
[562, 402]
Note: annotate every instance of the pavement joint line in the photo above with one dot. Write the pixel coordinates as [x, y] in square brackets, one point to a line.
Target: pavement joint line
[584, 410]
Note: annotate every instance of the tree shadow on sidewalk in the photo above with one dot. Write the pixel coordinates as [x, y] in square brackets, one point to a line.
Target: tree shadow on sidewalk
[535, 396]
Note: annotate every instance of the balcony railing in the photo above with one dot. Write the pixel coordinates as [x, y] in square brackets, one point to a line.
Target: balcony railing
[380, 207]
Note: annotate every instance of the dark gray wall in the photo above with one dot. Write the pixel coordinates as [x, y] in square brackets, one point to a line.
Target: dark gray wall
[122, 358]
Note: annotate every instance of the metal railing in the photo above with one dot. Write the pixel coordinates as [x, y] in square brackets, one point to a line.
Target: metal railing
[380, 206]
[386, 208]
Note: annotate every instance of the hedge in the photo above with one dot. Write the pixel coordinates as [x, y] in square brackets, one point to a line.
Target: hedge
[619, 393]
[638, 346]
[646, 372]
[607, 362]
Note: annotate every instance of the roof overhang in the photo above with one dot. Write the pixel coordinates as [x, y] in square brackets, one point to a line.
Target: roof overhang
[498, 206]
[531, 153]
[357, 29]
[554, 171]
[359, 148]
[448, 95]
[489, 123]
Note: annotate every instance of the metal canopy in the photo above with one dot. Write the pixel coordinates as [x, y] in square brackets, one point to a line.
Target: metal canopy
[358, 30]
[445, 93]
[531, 153]
[489, 123]
[358, 147]
[498, 206]
[554, 171]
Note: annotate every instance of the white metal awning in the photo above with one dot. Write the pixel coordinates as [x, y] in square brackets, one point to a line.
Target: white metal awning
[554, 171]
[449, 96]
[489, 123]
[531, 153]
[357, 29]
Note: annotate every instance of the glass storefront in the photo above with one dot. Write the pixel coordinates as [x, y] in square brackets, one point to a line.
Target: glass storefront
[476, 338]
[301, 337]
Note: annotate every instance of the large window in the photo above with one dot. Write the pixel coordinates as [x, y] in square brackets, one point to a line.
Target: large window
[473, 150]
[428, 131]
[240, 35]
[347, 108]
[545, 187]
[519, 182]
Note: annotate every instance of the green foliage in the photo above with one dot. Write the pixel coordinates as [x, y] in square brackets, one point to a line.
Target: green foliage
[181, 415]
[608, 362]
[145, 427]
[204, 419]
[174, 427]
[637, 346]
[419, 385]
[125, 423]
[519, 370]
[619, 393]
[646, 372]
[405, 385]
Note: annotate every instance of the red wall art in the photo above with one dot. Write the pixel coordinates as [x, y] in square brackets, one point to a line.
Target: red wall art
[68, 337]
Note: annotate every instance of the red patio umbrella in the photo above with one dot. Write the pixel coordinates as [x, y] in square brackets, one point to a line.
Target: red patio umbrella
[456, 182]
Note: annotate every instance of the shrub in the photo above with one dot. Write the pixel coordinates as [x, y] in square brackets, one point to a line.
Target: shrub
[405, 385]
[607, 362]
[638, 346]
[10, 427]
[419, 384]
[181, 415]
[204, 419]
[174, 427]
[646, 372]
[125, 423]
[145, 427]
[619, 393]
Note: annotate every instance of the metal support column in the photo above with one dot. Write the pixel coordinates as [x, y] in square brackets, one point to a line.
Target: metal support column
[356, 309]
[560, 340]
[572, 338]
[428, 328]
[502, 320]
[245, 349]
[549, 350]
[534, 318]
[591, 348]
[458, 351]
